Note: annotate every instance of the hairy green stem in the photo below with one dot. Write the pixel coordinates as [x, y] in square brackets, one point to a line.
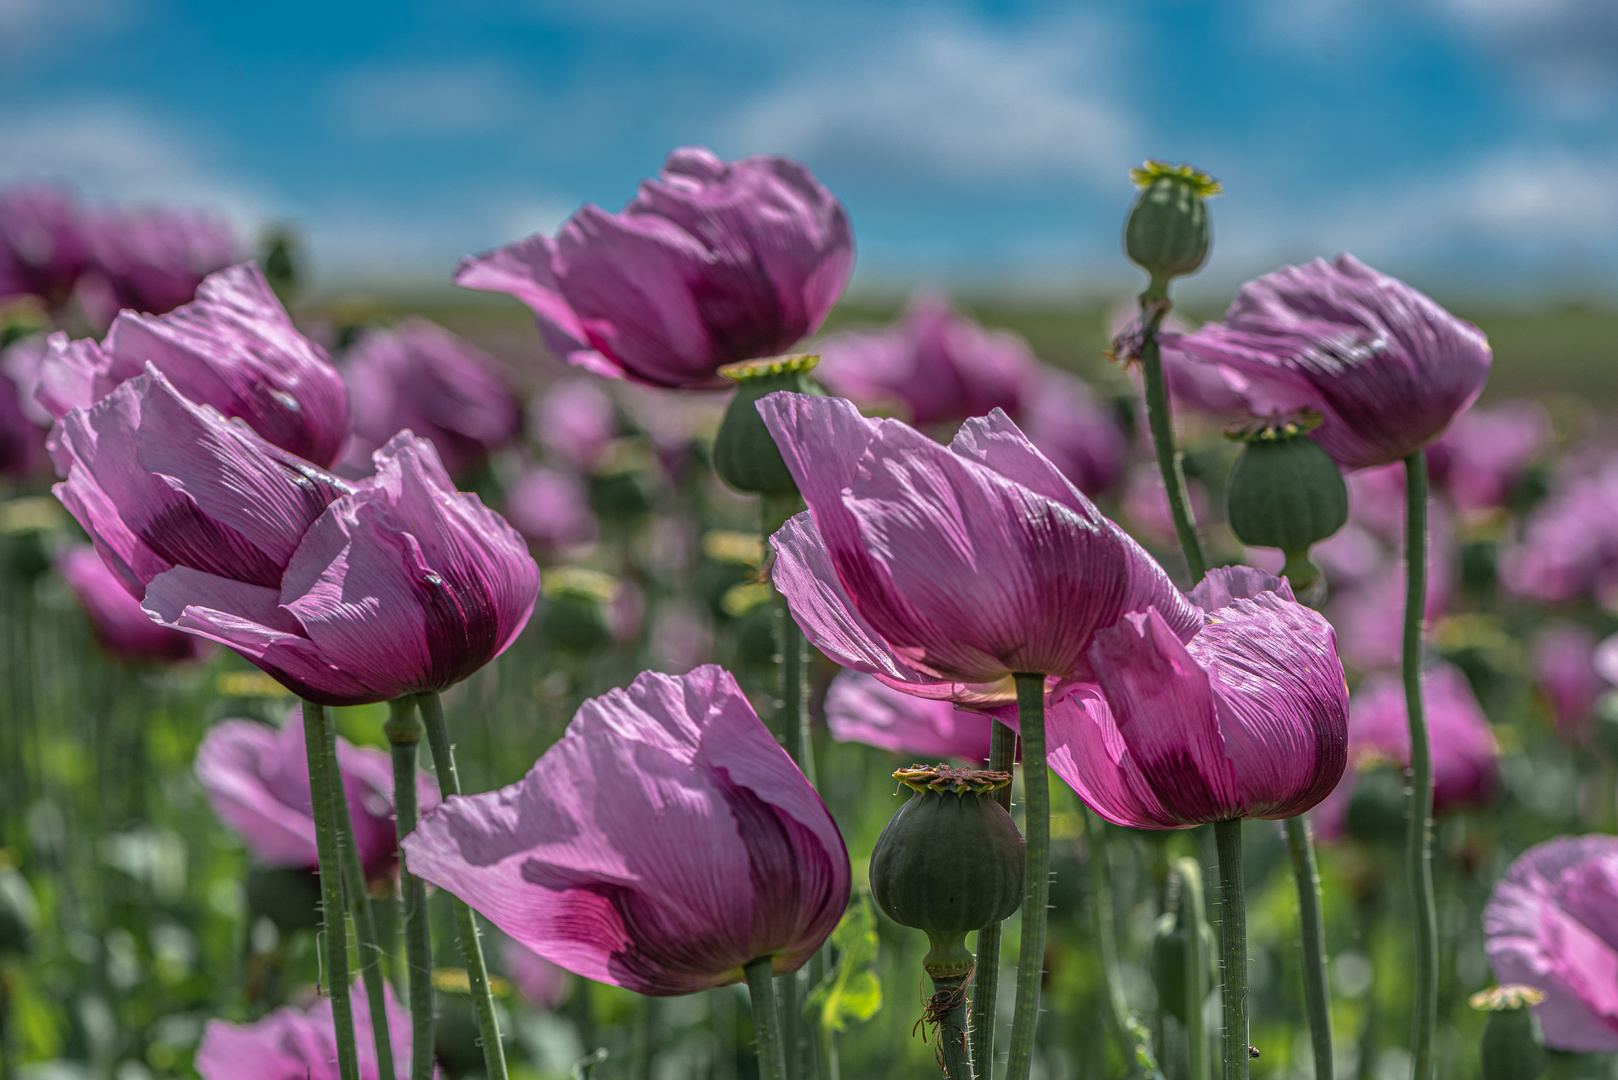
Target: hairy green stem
[403, 730]
[320, 748]
[1193, 915]
[1037, 833]
[1233, 941]
[1130, 1035]
[986, 983]
[1419, 839]
[953, 1050]
[1316, 995]
[371, 951]
[791, 653]
[449, 782]
[1161, 419]
[766, 1022]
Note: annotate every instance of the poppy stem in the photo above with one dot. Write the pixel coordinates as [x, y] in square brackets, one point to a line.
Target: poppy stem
[370, 945]
[986, 982]
[320, 746]
[494, 1054]
[1233, 935]
[1193, 915]
[1316, 996]
[1037, 886]
[766, 1023]
[403, 730]
[1161, 419]
[1419, 839]
[952, 1019]
[792, 652]
[1130, 1034]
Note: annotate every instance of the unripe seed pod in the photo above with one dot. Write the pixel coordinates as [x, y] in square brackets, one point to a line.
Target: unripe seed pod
[950, 861]
[744, 453]
[1167, 232]
[1513, 1044]
[1284, 491]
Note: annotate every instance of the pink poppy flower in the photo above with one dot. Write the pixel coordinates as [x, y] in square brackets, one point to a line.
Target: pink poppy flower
[1247, 719]
[712, 263]
[1564, 667]
[862, 709]
[663, 843]
[299, 1044]
[120, 623]
[1385, 365]
[256, 778]
[234, 348]
[346, 595]
[1076, 432]
[42, 244]
[575, 421]
[1550, 924]
[152, 258]
[551, 509]
[941, 570]
[539, 981]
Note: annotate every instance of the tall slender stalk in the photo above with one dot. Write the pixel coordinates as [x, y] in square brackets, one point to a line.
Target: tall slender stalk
[449, 782]
[986, 982]
[359, 901]
[1419, 839]
[1130, 1035]
[1233, 940]
[1153, 307]
[766, 1022]
[1193, 916]
[403, 730]
[1037, 834]
[1316, 996]
[953, 1049]
[318, 735]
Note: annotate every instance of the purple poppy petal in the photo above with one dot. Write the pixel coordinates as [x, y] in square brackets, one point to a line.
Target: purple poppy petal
[861, 708]
[117, 617]
[1090, 754]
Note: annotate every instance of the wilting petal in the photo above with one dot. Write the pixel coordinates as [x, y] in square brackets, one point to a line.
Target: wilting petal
[1549, 925]
[1224, 585]
[665, 842]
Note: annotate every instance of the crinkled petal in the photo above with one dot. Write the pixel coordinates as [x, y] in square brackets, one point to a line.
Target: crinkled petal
[1087, 750]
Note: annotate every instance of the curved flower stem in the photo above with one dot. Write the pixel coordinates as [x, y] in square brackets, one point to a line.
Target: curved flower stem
[403, 730]
[1153, 305]
[370, 945]
[1419, 840]
[1128, 1032]
[1037, 886]
[494, 1054]
[986, 982]
[1193, 916]
[952, 1045]
[318, 735]
[1233, 935]
[1316, 996]
[766, 1023]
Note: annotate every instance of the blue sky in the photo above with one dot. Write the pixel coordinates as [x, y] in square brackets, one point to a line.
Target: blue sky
[1471, 145]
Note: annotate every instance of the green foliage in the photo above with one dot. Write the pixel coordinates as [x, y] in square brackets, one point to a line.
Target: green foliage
[852, 989]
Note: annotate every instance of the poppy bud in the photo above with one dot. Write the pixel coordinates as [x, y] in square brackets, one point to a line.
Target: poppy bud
[575, 617]
[1167, 232]
[1513, 1044]
[950, 861]
[1285, 492]
[1169, 957]
[744, 453]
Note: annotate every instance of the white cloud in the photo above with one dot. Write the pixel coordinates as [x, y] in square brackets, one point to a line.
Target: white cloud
[428, 101]
[953, 101]
[29, 26]
[1565, 49]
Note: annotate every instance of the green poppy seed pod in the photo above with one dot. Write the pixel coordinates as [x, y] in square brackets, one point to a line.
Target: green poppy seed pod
[744, 453]
[19, 912]
[950, 861]
[1376, 810]
[1513, 1044]
[1285, 492]
[575, 615]
[1167, 232]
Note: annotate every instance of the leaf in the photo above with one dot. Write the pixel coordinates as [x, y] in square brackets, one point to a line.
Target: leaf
[851, 990]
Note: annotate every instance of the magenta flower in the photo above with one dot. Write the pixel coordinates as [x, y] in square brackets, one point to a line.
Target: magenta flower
[1485, 452]
[551, 509]
[422, 377]
[1248, 719]
[1199, 387]
[1569, 546]
[256, 779]
[539, 981]
[1466, 758]
[1145, 505]
[942, 569]
[1386, 366]
[576, 422]
[42, 244]
[233, 348]
[1549, 924]
[153, 258]
[22, 441]
[346, 595]
[1564, 667]
[1076, 432]
[665, 842]
[860, 708]
[933, 365]
[294, 1044]
[712, 263]
[119, 622]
